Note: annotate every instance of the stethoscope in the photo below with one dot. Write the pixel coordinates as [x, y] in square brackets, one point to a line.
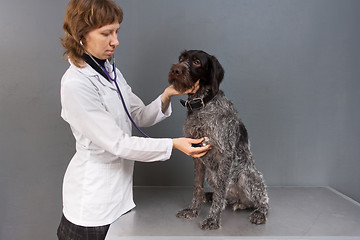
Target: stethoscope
[117, 86]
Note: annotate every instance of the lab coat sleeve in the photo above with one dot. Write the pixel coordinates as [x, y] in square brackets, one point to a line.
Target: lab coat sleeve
[82, 109]
[146, 116]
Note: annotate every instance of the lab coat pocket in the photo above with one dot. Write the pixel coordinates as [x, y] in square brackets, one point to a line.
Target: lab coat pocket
[108, 189]
[103, 180]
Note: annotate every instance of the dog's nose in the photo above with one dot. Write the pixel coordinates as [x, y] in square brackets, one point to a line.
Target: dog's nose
[176, 70]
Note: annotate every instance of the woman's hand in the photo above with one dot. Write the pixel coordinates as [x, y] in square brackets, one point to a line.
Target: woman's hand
[171, 91]
[185, 145]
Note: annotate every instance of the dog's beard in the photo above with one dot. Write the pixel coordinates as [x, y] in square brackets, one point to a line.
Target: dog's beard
[181, 85]
[181, 80]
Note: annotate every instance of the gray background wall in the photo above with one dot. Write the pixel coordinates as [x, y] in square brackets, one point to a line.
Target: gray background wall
[292, 70]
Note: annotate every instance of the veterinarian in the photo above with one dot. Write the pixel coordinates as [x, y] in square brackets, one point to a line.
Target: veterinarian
[98, 183]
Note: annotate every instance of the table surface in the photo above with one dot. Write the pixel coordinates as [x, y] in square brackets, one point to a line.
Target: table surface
[295, 213]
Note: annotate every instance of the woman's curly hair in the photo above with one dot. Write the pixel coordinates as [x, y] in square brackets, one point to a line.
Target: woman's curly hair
[83, 16]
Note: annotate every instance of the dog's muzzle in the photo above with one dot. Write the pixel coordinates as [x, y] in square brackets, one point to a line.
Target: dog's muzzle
[179, 76]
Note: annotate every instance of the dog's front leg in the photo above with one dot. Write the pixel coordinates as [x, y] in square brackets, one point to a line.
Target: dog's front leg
[212, 220]
[198, 195]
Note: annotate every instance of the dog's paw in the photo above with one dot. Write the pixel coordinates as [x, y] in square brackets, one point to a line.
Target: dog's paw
[239, 206]
[257, 217]
[210, 224]
[188, 213]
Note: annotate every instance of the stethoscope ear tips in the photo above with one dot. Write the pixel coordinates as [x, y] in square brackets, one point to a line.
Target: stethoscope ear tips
[81, 43]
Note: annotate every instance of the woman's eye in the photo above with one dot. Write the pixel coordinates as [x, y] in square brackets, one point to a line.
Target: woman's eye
[181, 59]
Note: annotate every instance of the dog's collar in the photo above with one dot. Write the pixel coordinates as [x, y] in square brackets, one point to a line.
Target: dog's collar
[197, 103]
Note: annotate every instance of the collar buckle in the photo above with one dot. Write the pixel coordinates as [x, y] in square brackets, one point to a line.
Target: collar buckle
[201, 101]
[188, 105]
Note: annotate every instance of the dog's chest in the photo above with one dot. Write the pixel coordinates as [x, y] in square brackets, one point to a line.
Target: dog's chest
[197, 125]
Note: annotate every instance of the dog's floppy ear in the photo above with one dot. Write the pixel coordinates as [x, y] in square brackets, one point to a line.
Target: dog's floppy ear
[217, 74]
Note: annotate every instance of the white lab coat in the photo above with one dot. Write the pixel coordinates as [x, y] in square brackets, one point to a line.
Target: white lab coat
[97, 187]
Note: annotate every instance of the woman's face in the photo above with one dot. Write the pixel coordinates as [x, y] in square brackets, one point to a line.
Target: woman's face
[101, 42]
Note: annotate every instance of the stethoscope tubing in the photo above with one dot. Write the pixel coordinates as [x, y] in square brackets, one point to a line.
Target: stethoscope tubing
[125, 108]
[118, 89]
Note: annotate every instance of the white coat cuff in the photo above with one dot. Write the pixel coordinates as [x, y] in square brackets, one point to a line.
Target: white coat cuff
[168, 111]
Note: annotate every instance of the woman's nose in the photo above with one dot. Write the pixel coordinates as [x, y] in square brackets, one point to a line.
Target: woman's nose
[114, 41]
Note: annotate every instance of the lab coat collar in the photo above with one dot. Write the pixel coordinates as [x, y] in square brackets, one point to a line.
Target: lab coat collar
[92, 73]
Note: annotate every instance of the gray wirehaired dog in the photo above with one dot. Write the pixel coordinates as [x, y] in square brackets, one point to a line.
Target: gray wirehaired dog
[229, 165]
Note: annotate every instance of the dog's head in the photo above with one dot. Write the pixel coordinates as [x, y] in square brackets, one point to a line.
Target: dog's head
[196, 65]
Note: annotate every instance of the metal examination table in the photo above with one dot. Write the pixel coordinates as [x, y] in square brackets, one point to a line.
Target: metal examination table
[296, 213]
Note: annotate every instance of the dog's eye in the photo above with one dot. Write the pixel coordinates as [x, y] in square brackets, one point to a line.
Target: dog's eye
[197, 62]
